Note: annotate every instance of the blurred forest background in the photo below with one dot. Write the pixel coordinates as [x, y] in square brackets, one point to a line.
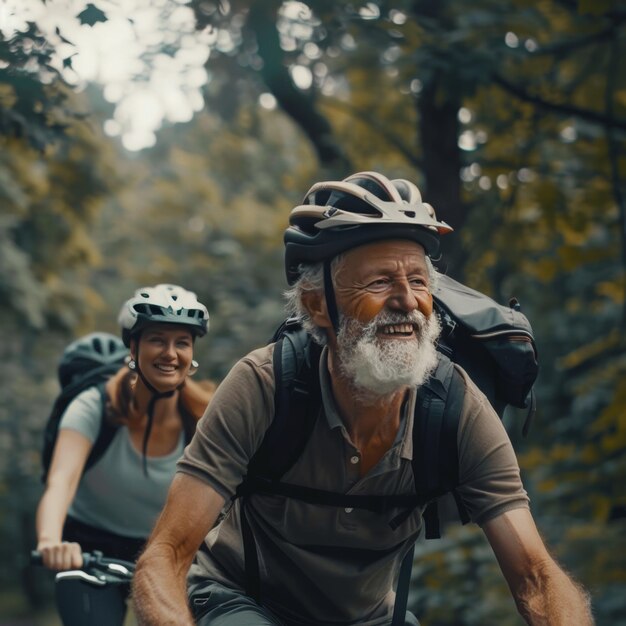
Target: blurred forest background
[166, 141]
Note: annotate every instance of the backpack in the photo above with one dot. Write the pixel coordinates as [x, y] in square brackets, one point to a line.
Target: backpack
[94, 378]
[87, 362]
[493, 343]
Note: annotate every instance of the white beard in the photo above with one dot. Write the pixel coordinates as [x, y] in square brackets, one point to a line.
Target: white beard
[378, 367]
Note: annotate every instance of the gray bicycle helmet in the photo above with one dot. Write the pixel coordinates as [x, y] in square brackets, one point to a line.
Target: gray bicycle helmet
[169, 304]
[94, 349]
[336, 216]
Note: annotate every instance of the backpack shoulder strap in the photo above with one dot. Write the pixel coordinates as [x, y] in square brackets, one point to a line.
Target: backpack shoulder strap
[189, 423]
[435, 451]
[297, 399]
[402, 589]
[106, 433]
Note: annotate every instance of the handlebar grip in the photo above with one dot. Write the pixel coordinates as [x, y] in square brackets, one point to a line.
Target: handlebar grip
[36, 558]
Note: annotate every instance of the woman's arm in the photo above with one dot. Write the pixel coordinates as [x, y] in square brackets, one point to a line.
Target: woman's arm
[159, 586]
[70, 455]
[545, 595]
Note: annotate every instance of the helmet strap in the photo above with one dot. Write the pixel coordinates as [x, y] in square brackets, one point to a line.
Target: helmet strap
[156, 395]
[329, 294]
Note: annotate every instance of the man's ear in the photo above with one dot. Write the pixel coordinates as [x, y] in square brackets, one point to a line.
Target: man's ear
[315, 304]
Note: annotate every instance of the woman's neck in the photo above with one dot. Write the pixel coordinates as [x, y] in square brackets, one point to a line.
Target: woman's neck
[163, 407]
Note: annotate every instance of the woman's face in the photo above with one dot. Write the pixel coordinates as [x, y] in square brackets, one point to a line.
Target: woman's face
[165, 352]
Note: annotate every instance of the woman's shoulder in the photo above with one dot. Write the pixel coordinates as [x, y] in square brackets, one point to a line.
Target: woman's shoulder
[88, 398]
[84, 412]
[196, 395]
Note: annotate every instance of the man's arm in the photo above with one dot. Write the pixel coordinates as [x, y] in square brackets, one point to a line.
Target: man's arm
[544, 594]
[159, 587]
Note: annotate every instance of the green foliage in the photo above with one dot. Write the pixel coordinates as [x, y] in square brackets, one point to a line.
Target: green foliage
[48, 202]
[32, 98]
[91, 15]
[456, 580]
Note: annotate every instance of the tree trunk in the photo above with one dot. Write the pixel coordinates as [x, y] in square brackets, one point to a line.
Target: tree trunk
[439, 131]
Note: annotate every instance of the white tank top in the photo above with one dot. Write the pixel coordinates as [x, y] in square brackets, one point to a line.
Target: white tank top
[115, 494]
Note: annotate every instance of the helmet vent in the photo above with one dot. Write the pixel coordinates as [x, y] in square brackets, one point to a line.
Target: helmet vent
[174, 297]
[409, 213]
[148, 309]
[352, 204]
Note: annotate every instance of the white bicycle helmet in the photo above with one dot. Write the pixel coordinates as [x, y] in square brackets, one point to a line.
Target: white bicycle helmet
[336, 216]
[169, 304]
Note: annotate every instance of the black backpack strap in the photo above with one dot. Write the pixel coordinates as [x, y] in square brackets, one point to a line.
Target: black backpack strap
[402, 590]
[297, 400]
[374, 503]
[435, 451]
[251, 558]
[106, 433]
[189, 423]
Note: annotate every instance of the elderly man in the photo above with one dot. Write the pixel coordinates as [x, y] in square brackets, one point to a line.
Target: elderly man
[357, 257]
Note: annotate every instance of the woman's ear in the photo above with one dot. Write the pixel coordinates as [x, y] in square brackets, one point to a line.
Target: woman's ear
[133, 349]
[315, 304]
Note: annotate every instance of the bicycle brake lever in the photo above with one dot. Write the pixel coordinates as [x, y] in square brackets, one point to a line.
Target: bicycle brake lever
[120, 569]
[77, 574]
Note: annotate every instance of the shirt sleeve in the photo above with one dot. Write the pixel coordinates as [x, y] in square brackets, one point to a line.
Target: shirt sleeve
[490, 481]
[233, 425]
[84, 414]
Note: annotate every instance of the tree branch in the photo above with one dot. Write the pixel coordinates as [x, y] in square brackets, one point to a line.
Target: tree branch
[616, 15]
[560, 47]
[565, 109]
[295, 103]
[379, 127]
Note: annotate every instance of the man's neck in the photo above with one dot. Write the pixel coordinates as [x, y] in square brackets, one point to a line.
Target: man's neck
[370, 419]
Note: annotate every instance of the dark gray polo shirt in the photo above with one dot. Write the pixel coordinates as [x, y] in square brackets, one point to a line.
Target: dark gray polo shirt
[321, 564]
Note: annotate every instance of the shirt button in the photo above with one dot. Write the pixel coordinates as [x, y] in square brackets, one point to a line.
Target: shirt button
[354, 459]
[348, 510]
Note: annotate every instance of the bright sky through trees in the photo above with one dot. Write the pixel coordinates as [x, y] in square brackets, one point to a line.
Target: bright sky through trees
[119, 44]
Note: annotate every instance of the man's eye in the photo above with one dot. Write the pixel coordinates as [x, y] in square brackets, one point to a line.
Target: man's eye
[379, 284]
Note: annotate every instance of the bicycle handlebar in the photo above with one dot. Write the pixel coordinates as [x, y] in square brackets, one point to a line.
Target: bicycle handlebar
[96, 569]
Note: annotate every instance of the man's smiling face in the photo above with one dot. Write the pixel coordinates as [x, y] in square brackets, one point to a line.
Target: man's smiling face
[387, 333]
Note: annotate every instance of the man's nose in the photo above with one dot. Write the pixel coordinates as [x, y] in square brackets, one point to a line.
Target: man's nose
[402, 297]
